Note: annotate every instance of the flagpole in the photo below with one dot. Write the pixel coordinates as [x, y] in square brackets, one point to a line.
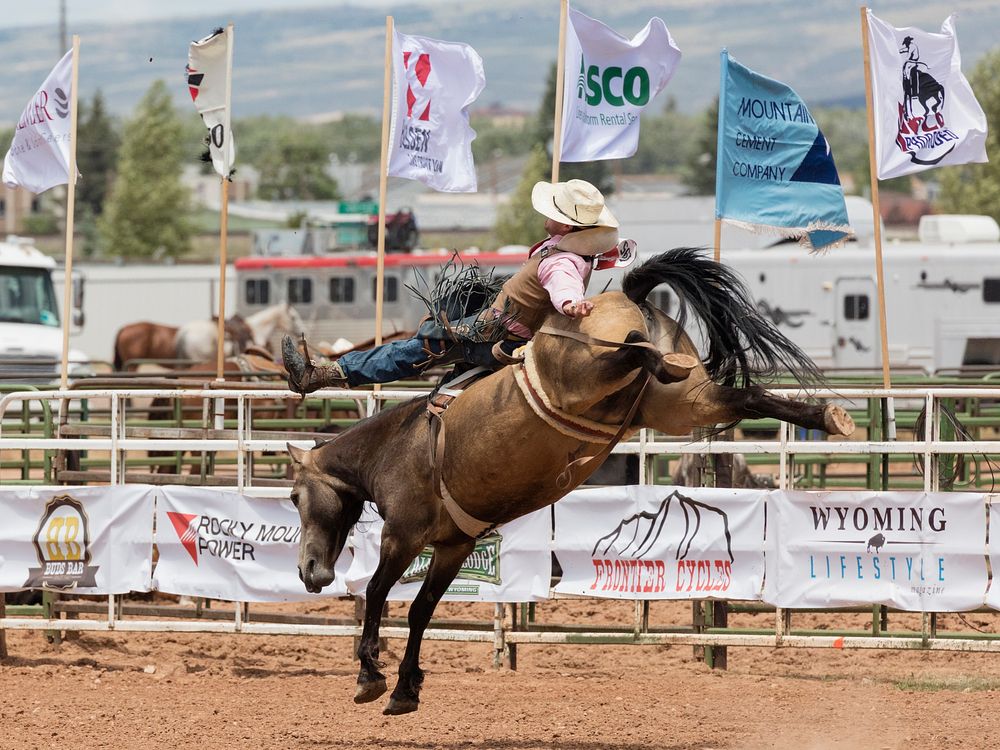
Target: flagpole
[383, 178]
[889, 407]
[719, 136]
[876, 213]
[224, 215]
[560, 81]
[70, 205]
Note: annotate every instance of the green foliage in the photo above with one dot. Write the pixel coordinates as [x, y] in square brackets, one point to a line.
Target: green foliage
[40, 223]
[146, 214]
[665, 140]
[96, 154]
[975, 188]
[517, 222]
[698, 170]
[494, 140]
[293, 166]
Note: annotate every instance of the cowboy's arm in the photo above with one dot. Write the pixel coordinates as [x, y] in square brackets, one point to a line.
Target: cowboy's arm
[564, 275]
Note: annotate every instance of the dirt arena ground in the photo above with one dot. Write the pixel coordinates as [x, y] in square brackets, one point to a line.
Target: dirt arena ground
[219, 691]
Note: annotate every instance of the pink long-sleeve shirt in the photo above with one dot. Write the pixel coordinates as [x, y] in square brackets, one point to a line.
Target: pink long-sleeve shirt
[563, 275]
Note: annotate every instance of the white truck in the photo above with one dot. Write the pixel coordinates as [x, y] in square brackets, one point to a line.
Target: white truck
[30, 326]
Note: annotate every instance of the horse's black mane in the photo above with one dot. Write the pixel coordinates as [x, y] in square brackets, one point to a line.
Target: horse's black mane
[742, 344]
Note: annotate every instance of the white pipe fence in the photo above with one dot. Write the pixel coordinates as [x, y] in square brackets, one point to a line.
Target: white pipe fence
[504, 634]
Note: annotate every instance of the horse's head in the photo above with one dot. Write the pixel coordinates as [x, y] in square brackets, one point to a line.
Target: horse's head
[328, 509]
[580, 373]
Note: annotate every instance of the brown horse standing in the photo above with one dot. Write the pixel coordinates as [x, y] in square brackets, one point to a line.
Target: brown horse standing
[144, 340]
[525, 436]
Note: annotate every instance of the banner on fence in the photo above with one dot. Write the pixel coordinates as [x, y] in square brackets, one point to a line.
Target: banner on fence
[224, 545]
[913, 550]
[89, 540]
[650, 542]
[513, 563]
[993, 596]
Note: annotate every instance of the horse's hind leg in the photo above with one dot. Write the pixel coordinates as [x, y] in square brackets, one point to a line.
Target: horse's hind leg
[732, 404]
[395, 555]
[444, 567]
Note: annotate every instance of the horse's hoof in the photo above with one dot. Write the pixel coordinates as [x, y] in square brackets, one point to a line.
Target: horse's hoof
[678, 365]
[369, 691]
[397, 706]
[837, 421]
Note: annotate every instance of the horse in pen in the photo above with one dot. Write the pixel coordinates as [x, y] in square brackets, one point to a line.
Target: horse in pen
[523, 437]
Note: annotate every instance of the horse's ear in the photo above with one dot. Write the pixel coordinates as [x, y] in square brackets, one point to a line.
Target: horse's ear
[297, 454]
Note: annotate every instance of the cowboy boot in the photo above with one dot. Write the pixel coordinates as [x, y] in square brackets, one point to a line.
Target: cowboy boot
[304, 376]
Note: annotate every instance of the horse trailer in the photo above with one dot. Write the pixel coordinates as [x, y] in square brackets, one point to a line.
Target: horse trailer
[942, 294]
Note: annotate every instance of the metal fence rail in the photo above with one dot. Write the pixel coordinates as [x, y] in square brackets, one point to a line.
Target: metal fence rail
[246, 441]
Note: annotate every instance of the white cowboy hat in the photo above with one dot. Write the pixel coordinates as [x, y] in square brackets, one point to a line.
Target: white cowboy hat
[576, 202]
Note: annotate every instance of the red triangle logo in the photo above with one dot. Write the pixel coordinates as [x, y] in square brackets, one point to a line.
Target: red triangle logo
[186, 531]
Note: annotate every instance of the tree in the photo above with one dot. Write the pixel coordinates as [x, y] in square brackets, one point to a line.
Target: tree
[293, 166]
[96, 154]
[698, 172]
[517, 222]
[975, 188]
[146, 214]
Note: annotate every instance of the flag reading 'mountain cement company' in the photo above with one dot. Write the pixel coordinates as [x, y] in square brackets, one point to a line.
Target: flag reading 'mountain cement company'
[435, 82]
[925, 112]
[775, 171]
[39, 155]
[609, 81]
[208, 71]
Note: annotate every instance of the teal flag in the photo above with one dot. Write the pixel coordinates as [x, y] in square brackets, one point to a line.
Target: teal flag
[775, 171]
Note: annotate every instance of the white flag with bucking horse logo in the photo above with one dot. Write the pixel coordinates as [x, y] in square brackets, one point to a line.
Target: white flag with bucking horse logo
[435, 83]
[925, 112]
[608, 81]
[39, 155]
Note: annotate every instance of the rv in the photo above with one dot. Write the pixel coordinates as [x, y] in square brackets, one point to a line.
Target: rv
[942, 294]
[30, 326]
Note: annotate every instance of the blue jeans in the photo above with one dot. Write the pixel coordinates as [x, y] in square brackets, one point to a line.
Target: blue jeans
[396, 360]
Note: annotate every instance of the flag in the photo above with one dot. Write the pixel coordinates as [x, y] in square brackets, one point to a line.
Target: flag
[208, 77]
[435, 82]
[39, 154]
[925, 112]
[774, 170]
[609, 80]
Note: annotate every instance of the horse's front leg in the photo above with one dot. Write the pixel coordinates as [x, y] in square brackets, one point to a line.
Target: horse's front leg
[444, 567]
[396, 554]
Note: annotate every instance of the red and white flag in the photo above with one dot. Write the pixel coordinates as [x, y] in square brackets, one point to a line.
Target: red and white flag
[209, 72]
[39, 155]
[925, 112]
[435, 82]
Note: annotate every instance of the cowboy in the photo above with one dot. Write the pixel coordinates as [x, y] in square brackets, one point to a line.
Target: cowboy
[582, 234]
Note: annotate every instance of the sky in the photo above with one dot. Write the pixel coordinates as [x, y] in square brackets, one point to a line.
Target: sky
[38, 12]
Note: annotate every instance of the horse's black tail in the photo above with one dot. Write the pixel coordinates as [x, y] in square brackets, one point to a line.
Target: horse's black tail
[742, 344]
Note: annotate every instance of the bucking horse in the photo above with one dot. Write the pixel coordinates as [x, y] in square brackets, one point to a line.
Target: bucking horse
[521, 438]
